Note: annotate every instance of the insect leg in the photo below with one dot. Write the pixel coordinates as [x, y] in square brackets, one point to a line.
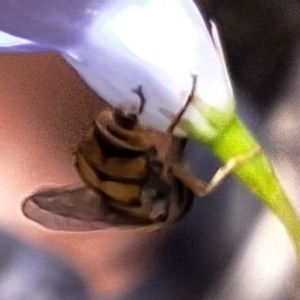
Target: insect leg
[177, 118]
[201, 188]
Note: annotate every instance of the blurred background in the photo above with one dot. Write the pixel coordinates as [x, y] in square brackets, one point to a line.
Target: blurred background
[227, 248]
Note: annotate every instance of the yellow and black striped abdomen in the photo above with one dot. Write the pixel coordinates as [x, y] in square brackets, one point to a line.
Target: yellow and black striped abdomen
[123, 166]
[115, 172]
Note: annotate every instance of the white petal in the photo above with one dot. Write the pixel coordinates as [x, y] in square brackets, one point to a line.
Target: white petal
[118, 45]
[9, 41]
[158, 44]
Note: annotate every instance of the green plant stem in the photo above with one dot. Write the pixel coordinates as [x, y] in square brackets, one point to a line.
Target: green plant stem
[257, 174]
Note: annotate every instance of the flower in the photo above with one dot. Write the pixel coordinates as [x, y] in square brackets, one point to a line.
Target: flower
[159, 45]
[167, 48]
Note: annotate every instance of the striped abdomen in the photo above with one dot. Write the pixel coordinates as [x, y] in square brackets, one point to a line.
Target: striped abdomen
[119, 159]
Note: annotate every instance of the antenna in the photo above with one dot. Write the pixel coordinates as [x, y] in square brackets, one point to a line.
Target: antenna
[139, 92]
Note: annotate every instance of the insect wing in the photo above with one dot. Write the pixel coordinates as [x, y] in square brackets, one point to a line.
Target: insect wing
[69, 209]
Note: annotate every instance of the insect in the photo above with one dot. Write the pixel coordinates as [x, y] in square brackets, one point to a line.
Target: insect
[133, 177]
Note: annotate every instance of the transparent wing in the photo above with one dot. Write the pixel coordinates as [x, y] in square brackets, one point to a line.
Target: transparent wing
[73, 208]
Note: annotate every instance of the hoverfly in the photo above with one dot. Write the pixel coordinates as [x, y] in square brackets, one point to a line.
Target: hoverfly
[134, 178]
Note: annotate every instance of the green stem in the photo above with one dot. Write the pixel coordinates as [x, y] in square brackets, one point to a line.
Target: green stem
[257, 174]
